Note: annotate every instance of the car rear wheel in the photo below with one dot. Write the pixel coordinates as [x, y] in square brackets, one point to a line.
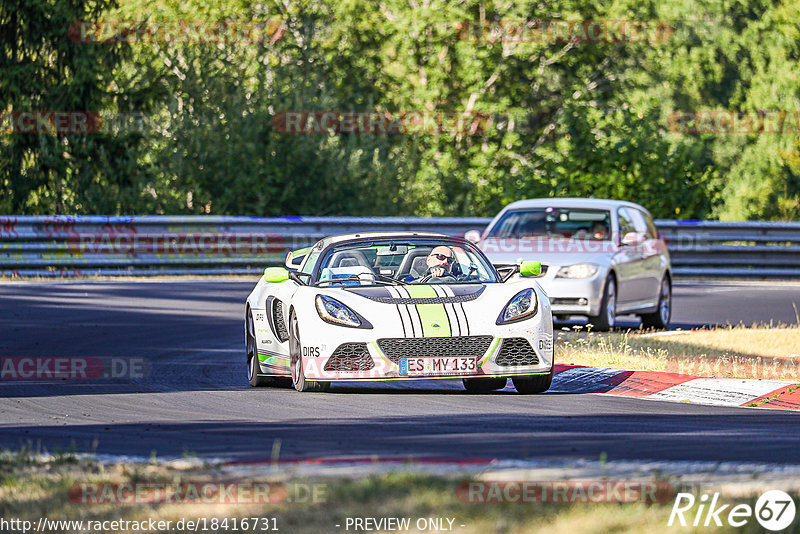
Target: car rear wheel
[296, 361]
[660, 318]
[484, 385]
[528, 385]
[604, 321]
[253, 369]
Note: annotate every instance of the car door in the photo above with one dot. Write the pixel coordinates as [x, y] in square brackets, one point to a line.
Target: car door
[651, 256]
[630, 271]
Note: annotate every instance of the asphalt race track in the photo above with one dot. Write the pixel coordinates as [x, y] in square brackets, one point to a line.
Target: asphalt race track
[194, 397]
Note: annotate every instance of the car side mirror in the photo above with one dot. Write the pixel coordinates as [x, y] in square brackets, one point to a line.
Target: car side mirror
[275, 275]
[295, 258]
[632, 239]
[473, 236]
[530, 268]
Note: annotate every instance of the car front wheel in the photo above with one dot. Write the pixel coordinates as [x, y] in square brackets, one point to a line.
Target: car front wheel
[660, 318]
[528, 385]
[296, 360]
[604, 321]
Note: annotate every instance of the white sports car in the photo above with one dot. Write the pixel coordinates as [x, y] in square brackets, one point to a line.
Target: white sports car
[398, 306]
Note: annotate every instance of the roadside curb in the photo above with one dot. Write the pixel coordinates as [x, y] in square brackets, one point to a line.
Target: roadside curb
[771, 394]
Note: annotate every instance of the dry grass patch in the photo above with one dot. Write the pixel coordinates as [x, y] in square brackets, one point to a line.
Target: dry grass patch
[33, 489]
[729, 352]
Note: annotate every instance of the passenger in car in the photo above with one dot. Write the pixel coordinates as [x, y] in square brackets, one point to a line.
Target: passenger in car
[599, 231]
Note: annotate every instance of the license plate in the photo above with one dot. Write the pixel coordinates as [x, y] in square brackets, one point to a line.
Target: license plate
[454, 365]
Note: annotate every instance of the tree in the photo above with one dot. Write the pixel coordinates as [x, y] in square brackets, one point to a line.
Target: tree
[44, 70]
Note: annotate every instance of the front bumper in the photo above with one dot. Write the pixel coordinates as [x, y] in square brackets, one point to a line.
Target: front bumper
[336, 353]
[384, 359]
[507, 351]
[574, 296]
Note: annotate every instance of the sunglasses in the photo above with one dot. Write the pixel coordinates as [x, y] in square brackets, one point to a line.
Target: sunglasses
[442, 257]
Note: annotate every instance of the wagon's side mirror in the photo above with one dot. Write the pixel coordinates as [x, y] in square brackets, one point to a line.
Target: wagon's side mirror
[275, 275]
[530, 268]
[632, 239]
[473, 236]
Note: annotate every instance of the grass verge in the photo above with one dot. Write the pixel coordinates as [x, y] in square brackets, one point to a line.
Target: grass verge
[31, 488]
[762, 352]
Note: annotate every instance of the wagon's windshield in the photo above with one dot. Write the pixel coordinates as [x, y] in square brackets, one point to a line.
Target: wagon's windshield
[404, 261]
[554, 223]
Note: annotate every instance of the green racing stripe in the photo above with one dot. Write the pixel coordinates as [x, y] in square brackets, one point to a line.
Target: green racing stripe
[432, 316]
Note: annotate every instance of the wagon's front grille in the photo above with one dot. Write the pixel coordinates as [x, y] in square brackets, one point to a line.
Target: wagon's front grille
[350, 357]
[516, 351]
[396, 348]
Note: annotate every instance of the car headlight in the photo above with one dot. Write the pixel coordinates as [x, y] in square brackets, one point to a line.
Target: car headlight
[521, 306]
[332, 311]
[579, 270]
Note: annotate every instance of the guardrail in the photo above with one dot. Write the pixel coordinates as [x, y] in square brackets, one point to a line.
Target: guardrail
[64, 246]
[733, 249]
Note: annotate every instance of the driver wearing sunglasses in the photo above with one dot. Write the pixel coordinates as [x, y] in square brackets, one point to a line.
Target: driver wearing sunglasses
[439, 261]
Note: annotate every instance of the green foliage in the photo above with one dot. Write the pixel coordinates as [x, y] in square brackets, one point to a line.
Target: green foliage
[567, 118]
[43, 70]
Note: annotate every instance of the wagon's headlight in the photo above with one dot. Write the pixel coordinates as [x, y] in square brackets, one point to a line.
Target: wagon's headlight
[580, 270]
[521, 306]
[334, 312]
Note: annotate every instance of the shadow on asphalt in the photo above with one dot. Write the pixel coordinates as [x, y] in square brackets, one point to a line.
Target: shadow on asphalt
[694, 436]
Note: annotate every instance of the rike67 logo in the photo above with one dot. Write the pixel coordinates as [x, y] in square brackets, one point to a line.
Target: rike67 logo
[774, 511]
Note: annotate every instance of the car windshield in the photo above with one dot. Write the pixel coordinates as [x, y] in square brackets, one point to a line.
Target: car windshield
[564, 223]
[404, 261]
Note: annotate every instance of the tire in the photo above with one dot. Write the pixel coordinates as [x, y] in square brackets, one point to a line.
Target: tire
[660, 318]
[296, 361]
[253, 369]
[484, 385]
[528, 385]
[604, 321]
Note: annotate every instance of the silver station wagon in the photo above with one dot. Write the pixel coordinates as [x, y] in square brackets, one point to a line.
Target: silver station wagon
[600, 258]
